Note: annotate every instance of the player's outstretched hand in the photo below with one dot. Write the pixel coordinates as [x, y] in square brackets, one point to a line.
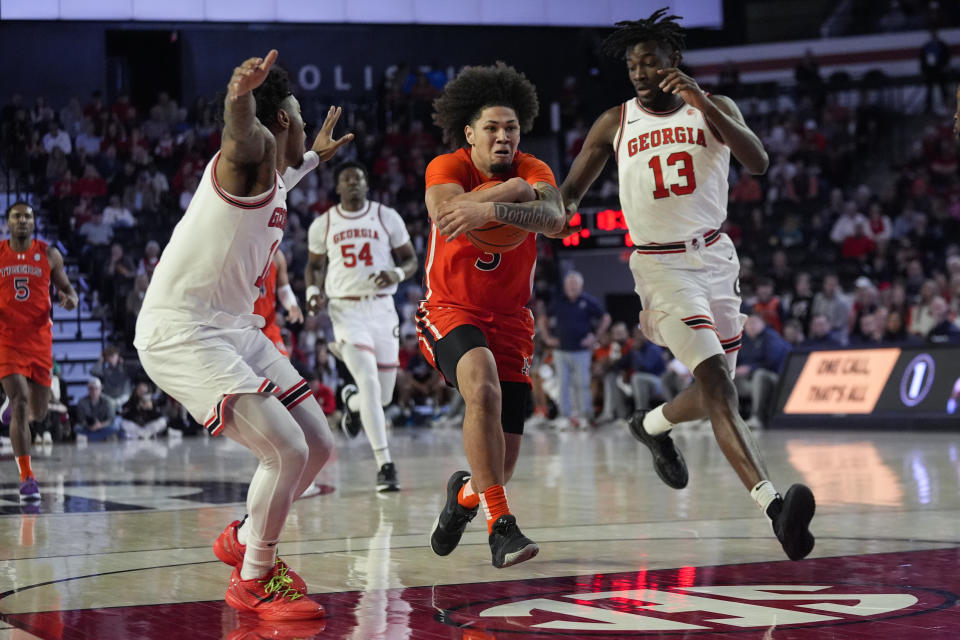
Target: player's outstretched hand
[456, 217]
[567, 230]
[294, 314]
[324, 145]
[678, 83]
[250, 75]
[67, 301]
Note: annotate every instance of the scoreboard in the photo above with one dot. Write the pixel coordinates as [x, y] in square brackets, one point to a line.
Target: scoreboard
[602, 229]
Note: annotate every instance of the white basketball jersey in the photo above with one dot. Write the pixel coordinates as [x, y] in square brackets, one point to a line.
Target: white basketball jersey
[673, 173]
[210, 272]
[358, 245]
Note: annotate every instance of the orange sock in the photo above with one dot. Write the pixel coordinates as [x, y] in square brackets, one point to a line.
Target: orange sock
[467, 498]
[494, 501]
[25, 471]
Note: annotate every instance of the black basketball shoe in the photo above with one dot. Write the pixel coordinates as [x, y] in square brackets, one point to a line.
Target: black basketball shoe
[791, 516]
[508, 545]
[350, 423]
[448, 529]
[387, 478]
[667, 461]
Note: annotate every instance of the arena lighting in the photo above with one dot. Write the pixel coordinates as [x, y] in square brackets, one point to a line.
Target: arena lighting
[556, 13]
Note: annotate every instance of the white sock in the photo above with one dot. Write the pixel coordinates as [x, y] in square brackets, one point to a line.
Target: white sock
[243, 533]
[763, 494]
[258, 559]
[382, 456]
[655, 423]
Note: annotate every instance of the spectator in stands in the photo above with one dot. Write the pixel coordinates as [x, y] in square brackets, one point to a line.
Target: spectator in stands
[846, 224]
[758, 368]
[767, 305]
[151, 256]
[110, 370]
[646, 364]
[56, 138]
[798, 305]
[895, 330]
[921, 314]
[116, 215]
[575, 318]
[833, 303]
[868, 332]
[944, 331]
[780, 272]
[793, 332]
[858, 246]
[89, 141]
[608, 369]
[809, 82]
[97, 417]
[821, 334]
[935, 67]
[139, 418]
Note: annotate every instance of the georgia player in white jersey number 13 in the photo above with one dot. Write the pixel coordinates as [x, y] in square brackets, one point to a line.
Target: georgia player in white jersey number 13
[359, 251]
[672, 143]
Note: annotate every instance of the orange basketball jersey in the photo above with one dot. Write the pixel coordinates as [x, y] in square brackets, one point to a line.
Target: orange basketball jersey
[460, 275]
[266, 305]
[25, 296]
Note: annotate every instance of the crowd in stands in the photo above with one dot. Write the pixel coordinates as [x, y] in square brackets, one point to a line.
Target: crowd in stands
[829, 256]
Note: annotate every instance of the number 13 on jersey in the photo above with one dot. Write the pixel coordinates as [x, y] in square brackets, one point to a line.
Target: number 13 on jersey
[684, 171]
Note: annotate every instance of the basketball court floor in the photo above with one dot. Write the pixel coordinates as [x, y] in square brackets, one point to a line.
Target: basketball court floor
[119, 547]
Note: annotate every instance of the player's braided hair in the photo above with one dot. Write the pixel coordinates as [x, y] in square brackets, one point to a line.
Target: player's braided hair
[476, 88]
[271, 94]
[663, 29]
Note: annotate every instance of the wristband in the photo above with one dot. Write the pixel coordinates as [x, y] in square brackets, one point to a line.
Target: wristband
[286, 296]
[312, 290]
[401, 276]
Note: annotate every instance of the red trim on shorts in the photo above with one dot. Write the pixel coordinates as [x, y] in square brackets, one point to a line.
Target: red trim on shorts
[364, 347]
[388, 366]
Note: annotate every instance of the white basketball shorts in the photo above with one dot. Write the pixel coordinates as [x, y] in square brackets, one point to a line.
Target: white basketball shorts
[202, 373]
[692, 298]
[369, 324]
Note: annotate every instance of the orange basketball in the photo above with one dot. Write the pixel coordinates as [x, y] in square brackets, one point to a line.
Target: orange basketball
[496, 237]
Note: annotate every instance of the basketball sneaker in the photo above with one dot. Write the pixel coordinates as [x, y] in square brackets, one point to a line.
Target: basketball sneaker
[387, 478]
[228, 550]
[791, 516]
[350, 423]
[277, 630]
[29, 490]
[667, 461]
[450, 524]
[508, 545]
[271, 597]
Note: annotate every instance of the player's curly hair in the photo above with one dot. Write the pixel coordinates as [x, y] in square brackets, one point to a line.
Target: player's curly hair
[664, 29]
[476, 88]
[271, 94]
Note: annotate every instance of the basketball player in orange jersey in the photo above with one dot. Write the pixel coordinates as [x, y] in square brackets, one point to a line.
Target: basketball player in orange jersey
[672, 144]
[473, 326]
[277, 286]
[200, 341]
[27, 267]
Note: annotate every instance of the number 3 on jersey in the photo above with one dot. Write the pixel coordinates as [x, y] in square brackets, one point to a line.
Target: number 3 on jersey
[685, 171]
[350, 258]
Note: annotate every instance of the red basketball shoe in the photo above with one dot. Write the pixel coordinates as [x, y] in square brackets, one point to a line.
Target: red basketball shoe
[271, 597]
[228, 550]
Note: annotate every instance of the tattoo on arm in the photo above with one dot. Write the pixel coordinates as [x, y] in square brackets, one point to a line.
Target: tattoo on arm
[545, 215]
